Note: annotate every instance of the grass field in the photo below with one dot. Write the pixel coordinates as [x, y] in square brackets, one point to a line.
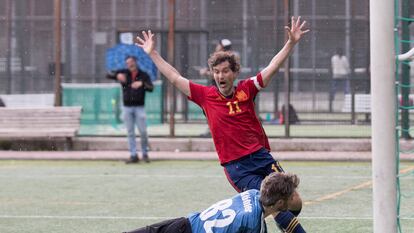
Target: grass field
[194, 130]
[108, 196]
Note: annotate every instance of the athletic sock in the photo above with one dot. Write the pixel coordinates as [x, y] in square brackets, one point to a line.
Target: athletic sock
[289, 223]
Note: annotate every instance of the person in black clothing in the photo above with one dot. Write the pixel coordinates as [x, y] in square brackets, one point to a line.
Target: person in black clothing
[2, 103]
[135, 83]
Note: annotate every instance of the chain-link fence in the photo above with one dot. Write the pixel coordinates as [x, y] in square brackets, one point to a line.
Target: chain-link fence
[255, 28]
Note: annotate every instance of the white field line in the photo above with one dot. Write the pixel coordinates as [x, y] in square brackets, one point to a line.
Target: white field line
[349, 218]
[80, 217]
[111, 175]
[51, 176]
[165, 176]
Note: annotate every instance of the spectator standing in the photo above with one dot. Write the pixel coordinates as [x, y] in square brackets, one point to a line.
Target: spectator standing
[135, 83]
[340, 73]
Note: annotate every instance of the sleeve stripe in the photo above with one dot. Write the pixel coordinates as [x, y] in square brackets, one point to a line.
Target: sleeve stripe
[256, 82]
[292, 225]
[260, 79]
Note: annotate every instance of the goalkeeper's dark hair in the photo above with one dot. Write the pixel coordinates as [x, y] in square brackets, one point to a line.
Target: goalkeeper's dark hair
[277, 186]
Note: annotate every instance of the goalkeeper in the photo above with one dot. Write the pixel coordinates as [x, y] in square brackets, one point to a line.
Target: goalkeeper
[245, 212]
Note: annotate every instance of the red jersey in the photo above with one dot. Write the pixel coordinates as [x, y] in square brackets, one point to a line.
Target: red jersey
[233, 123]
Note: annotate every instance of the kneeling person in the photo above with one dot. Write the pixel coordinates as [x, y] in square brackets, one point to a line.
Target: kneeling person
[244, 212]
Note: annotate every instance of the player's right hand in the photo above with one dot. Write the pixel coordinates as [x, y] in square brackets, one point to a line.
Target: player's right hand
[147, 44]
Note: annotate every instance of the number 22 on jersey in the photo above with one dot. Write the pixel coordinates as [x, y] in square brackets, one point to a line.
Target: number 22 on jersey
[227, 213]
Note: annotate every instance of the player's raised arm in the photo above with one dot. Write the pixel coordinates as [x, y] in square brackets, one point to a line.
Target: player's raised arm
[295, 32]
[147, 44]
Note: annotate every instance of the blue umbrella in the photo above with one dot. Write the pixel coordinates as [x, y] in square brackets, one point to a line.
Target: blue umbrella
[115, 59]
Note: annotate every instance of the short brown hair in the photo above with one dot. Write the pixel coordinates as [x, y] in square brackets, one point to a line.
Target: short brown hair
[223, 56]
[277, 186]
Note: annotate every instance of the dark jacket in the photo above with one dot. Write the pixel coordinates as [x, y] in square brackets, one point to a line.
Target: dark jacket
[133, 97]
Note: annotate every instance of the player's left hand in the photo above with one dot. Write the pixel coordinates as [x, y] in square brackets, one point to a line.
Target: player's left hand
[136, 84]
[296, 31]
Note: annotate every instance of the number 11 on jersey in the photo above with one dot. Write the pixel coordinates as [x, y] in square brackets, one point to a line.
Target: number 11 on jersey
[236, 105]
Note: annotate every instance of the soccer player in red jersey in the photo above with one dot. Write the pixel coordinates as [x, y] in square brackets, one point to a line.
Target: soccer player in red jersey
[241, 143]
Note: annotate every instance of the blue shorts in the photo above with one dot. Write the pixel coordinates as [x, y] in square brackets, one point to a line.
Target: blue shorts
[249, 171]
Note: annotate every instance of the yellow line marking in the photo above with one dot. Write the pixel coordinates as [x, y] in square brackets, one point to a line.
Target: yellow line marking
[337, 194]
[356, 187]
[408, 169]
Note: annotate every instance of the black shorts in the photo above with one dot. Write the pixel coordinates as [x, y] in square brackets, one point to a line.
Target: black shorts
[177, 225]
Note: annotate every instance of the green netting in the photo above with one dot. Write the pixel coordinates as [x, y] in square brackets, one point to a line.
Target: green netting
[153, 104]
[102, 103]
[404, 188]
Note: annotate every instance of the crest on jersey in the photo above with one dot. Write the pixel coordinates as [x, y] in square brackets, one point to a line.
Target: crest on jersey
[241, 96]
